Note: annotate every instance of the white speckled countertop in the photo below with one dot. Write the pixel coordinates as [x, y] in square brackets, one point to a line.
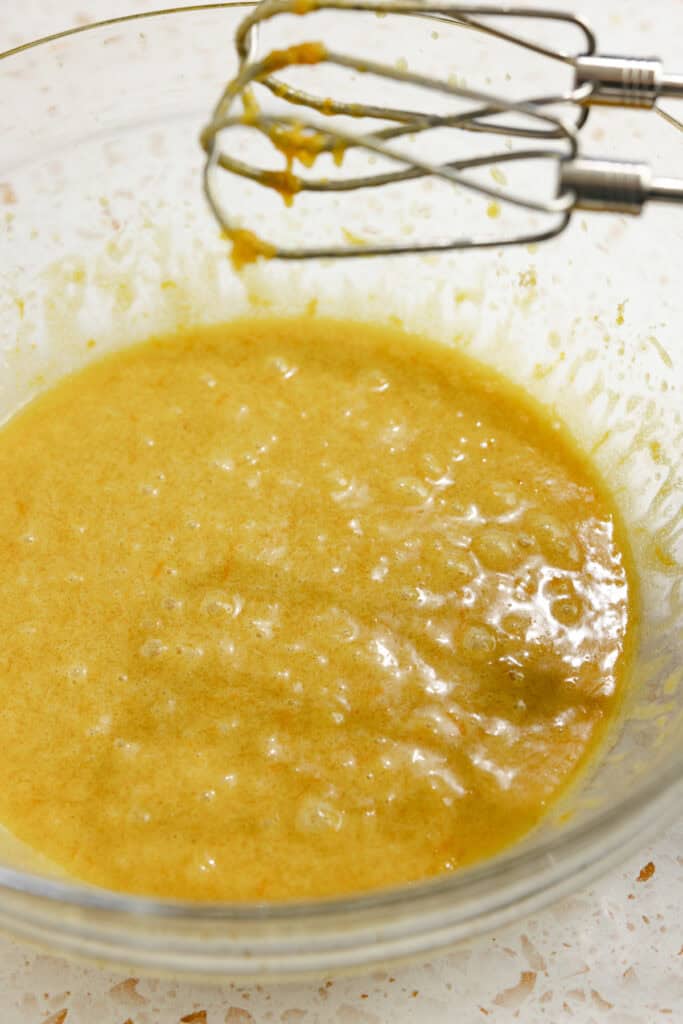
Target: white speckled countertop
[611, 954]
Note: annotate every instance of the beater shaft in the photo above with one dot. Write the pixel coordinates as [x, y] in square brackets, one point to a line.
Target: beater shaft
[626, 81]
[616, 186]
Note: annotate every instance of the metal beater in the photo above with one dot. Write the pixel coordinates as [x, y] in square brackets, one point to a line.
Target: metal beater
[550, 122]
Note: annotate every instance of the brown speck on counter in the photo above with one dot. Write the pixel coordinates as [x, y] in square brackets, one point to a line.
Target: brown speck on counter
[646, 872]
[7, 193]
[513, 997]
[578, 994]
[196, 1017]
[126, 991]
[57, 1018]
[535, 959]
[602, 1004]
[238, 1015]
[415, 993]
[347, 1014]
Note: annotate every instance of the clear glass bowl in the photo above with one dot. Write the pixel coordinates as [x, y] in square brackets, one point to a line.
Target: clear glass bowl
[105, 236]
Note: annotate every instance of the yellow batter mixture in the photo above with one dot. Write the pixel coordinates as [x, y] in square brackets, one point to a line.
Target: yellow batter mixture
[292, 608]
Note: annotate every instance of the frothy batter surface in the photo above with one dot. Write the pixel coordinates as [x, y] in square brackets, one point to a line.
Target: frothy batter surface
[292, 608]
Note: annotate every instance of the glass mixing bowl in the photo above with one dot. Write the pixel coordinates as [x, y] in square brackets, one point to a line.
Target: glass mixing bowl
[105, 238]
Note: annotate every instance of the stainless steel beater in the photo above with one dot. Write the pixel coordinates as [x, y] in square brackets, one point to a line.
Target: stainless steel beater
[553, 121]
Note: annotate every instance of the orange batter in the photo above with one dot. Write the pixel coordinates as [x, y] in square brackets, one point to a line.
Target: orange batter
[296, 608]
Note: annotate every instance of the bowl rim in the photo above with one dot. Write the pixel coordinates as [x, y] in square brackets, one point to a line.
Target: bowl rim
[511, 876]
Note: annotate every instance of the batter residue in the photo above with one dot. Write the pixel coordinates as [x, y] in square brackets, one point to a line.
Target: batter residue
[293, 608]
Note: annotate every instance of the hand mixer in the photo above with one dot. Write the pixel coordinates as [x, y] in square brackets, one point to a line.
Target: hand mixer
[550, 122]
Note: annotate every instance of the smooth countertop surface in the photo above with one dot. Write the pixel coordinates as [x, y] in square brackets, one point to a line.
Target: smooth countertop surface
[612, 954]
